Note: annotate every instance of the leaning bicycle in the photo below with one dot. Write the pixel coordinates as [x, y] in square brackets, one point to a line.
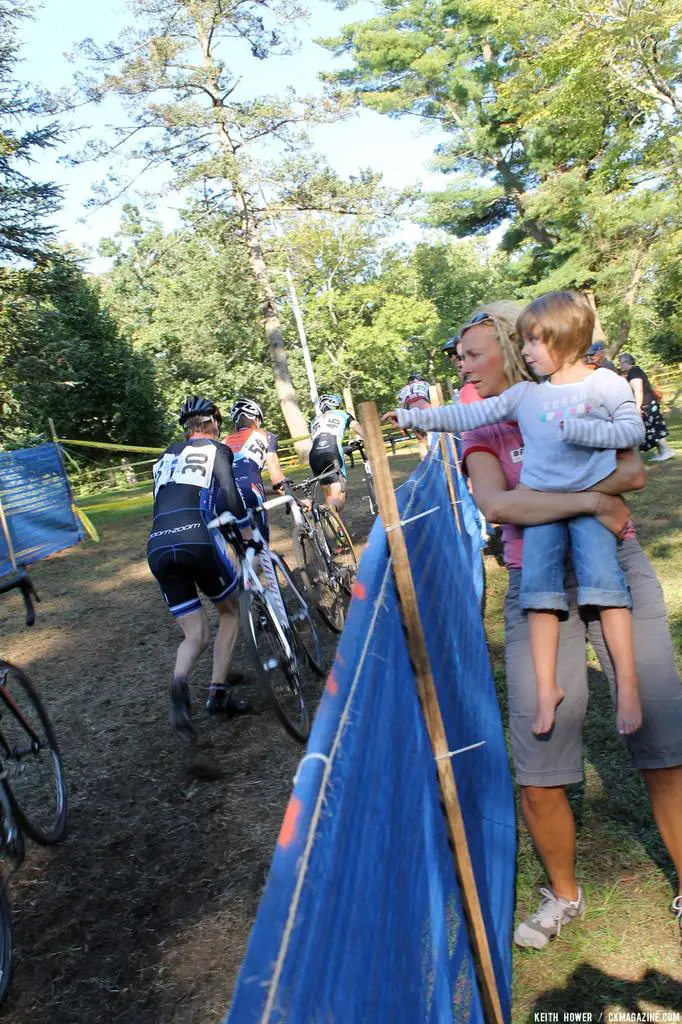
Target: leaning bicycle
[32, 787]
[324, 554]
[279, 632]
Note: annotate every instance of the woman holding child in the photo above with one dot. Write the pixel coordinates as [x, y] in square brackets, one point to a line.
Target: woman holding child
[545, 635]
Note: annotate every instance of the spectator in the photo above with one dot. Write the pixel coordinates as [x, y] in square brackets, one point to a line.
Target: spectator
[596, 355]
[647, 400]
[493, 457]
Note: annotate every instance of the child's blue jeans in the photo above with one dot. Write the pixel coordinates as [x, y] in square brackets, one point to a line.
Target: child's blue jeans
[593, 551]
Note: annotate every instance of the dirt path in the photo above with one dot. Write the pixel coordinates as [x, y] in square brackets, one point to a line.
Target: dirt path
[143, 915]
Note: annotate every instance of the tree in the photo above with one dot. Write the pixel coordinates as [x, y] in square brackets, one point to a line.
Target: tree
[187, 300]
[62, 357]
[563, 125]
[24, 204]
[187, 114]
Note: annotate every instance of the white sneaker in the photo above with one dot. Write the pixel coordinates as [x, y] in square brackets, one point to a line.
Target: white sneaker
[669, 454]
[546, 923]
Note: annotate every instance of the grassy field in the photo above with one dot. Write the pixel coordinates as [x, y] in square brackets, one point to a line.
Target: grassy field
[624, 955]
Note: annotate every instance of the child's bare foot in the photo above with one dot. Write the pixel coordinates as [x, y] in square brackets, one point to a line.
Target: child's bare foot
[629, 711]
[547, 704]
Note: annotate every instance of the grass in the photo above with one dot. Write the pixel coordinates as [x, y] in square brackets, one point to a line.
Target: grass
[625, 954]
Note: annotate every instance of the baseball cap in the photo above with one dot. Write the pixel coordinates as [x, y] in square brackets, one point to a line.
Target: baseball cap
[598, 346]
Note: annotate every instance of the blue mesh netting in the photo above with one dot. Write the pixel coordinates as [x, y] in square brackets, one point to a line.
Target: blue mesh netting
[361, 918]
[36, 500]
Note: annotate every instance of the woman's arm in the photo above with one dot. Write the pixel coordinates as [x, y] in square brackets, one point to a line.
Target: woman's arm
[532, 508]
[629, 474]
[638, 391]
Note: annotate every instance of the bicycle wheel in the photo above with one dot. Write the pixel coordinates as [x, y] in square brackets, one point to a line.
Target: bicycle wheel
[299, 616]
[5, 942]
[372, 494]
[324, 592]
[278, 676]
[340, 547]
[30, 754]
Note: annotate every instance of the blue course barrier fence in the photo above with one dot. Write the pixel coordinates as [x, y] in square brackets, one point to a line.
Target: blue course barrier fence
[361, 919]
[36, 502]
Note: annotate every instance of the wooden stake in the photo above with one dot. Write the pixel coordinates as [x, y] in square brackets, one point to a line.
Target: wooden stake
[388, 510]
[8, 540]
[436, 395]
[53, 432]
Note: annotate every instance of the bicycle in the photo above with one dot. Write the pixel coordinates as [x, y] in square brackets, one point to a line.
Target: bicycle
[358, 446]
[324, 554]
[27, 745]
[276, 623]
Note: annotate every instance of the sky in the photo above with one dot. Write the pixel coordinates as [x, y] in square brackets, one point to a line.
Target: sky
[399, 149]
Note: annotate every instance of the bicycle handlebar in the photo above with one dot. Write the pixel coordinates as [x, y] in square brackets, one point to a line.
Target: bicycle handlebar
[227, 519]
[22, 582]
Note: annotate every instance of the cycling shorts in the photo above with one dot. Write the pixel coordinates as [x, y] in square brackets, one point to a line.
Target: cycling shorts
[179, 571]
[327, 460]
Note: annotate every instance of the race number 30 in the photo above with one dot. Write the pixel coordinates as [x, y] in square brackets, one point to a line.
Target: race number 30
[195, 466]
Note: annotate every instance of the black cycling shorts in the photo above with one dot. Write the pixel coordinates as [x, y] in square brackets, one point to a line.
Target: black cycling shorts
[179, 571]
[322, 460]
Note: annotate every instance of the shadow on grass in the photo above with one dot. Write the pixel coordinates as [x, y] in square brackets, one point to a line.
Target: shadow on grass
[624, 800]
[589, 990]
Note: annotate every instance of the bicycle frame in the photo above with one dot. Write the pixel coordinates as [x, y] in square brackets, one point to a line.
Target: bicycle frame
[256, 554]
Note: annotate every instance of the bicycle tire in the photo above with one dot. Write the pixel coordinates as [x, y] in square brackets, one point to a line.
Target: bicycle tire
[256, 619]
[340, 546]
[17, 716]
[322, 591]
[372, 495]
[5, 942]
[300, 619]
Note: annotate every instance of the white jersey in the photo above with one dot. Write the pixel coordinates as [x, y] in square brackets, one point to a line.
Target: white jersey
[412, 393]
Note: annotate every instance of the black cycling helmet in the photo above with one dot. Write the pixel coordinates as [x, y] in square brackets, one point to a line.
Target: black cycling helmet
[245, 407]
[198, 406]
[415, 376]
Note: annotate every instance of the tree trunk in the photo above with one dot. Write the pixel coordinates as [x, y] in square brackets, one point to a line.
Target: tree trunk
[293, 417]
[630, 297]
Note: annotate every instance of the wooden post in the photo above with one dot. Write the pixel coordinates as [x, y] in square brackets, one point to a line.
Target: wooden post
[53, 432]
[348, 401]
[426, 689]
[436, 396]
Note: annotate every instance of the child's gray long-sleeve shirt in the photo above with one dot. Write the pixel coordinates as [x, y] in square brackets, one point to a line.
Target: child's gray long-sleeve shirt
[570, 431]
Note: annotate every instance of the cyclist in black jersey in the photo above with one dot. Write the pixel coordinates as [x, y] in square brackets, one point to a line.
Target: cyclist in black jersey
[193, 483]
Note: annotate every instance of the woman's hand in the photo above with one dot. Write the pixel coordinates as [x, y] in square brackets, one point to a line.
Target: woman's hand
[613, 513]
[390, 417]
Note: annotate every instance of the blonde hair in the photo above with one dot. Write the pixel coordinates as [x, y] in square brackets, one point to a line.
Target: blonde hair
[564, 321]
[504, 316]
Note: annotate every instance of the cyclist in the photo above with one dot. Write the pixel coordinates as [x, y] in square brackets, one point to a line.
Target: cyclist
[193, 483]
[255, 449]
[415, 395]
[326, 454]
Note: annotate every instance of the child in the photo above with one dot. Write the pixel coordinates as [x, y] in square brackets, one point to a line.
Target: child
[572, 422]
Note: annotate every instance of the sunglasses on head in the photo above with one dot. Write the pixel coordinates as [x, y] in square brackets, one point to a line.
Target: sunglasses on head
[478, 318]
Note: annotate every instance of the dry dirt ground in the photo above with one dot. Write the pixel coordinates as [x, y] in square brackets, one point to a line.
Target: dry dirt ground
[143, 914]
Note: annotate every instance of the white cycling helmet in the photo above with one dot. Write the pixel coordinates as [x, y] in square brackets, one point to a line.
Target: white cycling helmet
[326, 403]
[246, 407]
